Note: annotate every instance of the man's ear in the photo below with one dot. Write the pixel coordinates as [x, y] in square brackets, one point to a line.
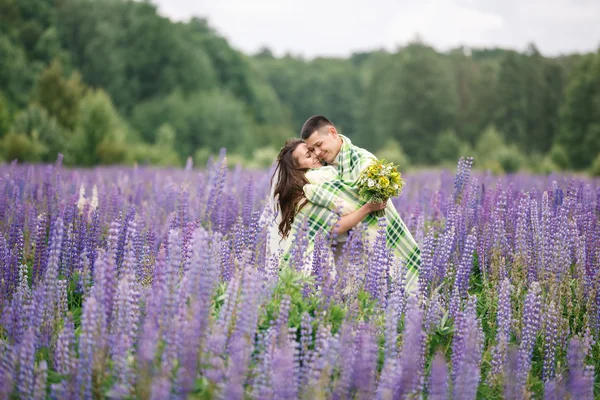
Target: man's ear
[333, 131]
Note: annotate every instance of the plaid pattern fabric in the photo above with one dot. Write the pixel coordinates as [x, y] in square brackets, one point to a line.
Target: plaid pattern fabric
[350, 162]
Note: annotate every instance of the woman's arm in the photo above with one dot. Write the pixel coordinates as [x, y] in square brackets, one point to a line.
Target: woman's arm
[349, 221]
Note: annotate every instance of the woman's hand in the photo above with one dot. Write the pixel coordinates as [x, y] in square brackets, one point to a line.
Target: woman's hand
[371, 207]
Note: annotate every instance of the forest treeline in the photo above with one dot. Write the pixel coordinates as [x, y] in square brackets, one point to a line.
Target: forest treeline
[113, 81]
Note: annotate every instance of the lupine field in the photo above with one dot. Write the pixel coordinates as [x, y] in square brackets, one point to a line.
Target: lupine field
[148, 283]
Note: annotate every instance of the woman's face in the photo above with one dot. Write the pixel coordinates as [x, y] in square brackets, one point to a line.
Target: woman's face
[305, 158]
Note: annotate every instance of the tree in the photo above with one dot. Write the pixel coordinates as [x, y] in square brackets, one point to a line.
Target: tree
[100, 133]
[16, 75]
[60, 96]
[580, 127]
[410, 98]
[39, 127]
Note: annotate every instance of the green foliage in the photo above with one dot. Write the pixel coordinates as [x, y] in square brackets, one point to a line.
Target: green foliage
[100, 134]
[4, 116]
[212, 119]
[59, 96]
[559, 157]
[155, 71]
[595, 170]
[411, 99]
[41, 128]
[19, 146]
[161, 153]
[510, 158]
[580, 130]
[448, 147]
[16, 76]
[392, 151]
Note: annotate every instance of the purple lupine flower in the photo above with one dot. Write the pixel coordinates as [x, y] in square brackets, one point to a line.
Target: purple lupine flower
[90, 343]
[124, 326]
[41, 250]
[239, 359]
[346, 362]
[462, 177]
[411, 357]
[442, 256]
[248, 201]
[503, 326]
[531, 323]
[65, 358]
[51, 277]
[305, 353]
[41, 377]
[427, 268]
[26, 360]
[511, 391]
[283, 374]
[365, 362]
[438, 381]
[261, 386]
[216, 188]
[463, 271]
[536, 247]
[377, 264]
[161, 388]
[551, 317]
[554, 389]
[469, 346]
[581, 379]
[182, 206]
[8, 362]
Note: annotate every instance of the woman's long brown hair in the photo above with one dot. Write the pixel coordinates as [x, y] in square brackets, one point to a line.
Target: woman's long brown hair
[289, 185]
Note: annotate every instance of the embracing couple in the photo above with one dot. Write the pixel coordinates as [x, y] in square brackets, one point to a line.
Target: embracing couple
[314, 191]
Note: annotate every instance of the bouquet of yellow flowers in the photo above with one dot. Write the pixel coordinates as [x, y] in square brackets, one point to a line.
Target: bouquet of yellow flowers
[380, 181]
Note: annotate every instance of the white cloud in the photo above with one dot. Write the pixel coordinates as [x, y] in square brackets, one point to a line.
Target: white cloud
[337, 27]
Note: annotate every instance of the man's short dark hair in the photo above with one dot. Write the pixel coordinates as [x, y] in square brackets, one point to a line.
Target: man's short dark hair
[313, 124]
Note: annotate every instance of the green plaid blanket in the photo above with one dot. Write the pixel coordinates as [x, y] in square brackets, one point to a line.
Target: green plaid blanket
[325, 198]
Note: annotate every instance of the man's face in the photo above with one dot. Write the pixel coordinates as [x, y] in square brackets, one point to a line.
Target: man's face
[325, 143]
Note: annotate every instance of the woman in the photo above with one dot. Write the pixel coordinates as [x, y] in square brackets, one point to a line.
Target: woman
[292, 212]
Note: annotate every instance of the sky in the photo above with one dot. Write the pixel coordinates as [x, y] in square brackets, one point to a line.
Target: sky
[338, 28]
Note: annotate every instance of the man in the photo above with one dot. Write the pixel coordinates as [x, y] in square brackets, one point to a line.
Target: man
[322, 137]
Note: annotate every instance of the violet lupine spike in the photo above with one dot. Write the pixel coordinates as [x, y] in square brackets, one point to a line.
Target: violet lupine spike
[442, 256]
[41, 377]
[239, 359]
[536, 242]
[469, 339]
[438, 381]
[283, 374]
[248, 200]
[26, 361]
[581, 379]
[377, 264]
[8, 363]
[392, 316]
[531, 324]
[550, 341]
[346, 362]
[88, 346]
[365, 362]
[427, 268]
[412, 353]
[463, 271]
[555, 389]
[304, 349]
[41, 249]
[462, 177]
[503, 327]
